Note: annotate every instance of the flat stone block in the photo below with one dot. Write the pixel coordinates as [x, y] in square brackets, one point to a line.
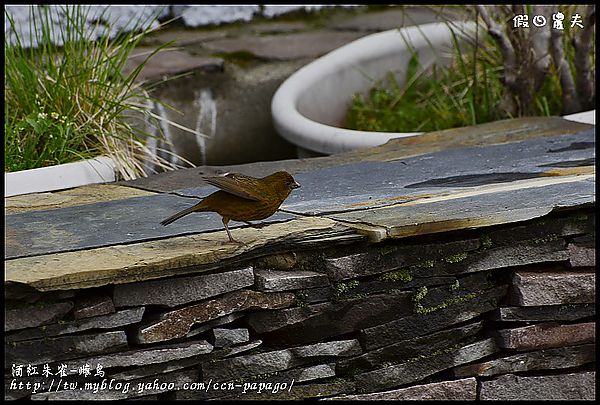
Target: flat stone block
[49, 350]
[547, 359]
[465, 389]
[35, 315]
[278, 280]
[177, 323]
[228, 337]
[581, 256]
[546, 335]
[119, 318]
[341, 348]
[553, 288]
[571, 386]
[246, 366]
[419, 368]
[181, 290]
[93, 305]
[546, 313]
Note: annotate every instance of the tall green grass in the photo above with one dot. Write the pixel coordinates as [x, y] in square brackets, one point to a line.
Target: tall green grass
[67, 102]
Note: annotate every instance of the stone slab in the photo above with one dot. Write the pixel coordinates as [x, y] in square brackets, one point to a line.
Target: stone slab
[458, 390]
[581, 256]
[227, 337]
[544, 313]
[249, 365]
[341, 348]
[548, 359]
[279, 280]
[416, 370]
[546, 335]
[422, 324]
[107, 223]
[93, 305]
[35, 315]
[48, 350]
[162, 258]
[405, 349]
[172, 292]
[568, 386]
[115, 320]
[553, 288]
[177, 323]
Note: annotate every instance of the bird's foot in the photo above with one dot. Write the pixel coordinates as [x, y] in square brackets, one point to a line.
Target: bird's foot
[258, 226]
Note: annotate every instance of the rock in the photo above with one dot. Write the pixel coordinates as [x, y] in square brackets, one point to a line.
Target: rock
[213, 324]
[317, 322]
[245, 366]
[581, 256]
[295, 392]
[181, 290]
[544, 313]
[552, 288]
[92, 305]
[35, 315]
[145, 357]
[422, 324]
[571, 386]
[62, 348]
[548, 359]
[392, 257]
[228, 337]
[341, 348]
[177, 323]
[546, 335]
[313, 295]
[278, 280]
[419, 368]
[235, 350]
[120, 318]
[465, 389]
[406, 349]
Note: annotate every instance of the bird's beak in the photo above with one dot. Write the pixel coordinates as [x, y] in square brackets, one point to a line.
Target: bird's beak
[295, 185]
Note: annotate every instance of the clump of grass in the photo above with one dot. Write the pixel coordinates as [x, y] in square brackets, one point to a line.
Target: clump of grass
[66, 97]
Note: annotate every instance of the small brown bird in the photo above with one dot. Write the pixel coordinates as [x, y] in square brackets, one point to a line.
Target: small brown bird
[242, 198]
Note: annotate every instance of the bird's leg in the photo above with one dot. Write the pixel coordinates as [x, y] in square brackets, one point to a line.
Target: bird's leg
[254, 225]
[231, 240]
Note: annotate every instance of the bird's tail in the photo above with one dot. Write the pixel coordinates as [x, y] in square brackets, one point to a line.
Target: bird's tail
[180, 214]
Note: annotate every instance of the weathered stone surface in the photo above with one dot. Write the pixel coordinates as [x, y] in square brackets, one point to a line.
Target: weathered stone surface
[419, 368]
[278, 280]
[465, 390]
[548, 359]
[228, 337]
[245, 366]
[544, 313]
[93, 305]
[145, 357]
[581, 256]
[575, 386]
[213, 324]
[177, 323]
[35, 315]
[393, 19]
[340, 348]
[392, 257]
[552, 288]
[464, 289]
[546, 335]
[406, 349]
[48, 350]
[393, 281]
[235, 350]
[317, 322]
[181, 290]
[422, 324]
[119, 318]
[138, 388]
[313, 295]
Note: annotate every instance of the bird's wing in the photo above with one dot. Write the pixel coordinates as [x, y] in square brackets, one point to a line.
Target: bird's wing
[235, 183]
